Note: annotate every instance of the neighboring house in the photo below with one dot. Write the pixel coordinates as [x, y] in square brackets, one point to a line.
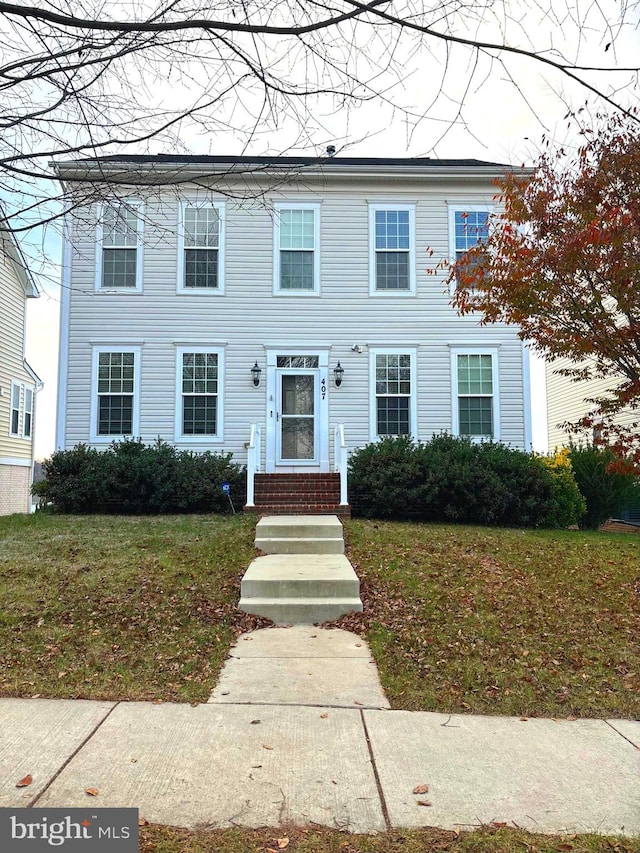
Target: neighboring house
[18, 382]
[286, 310]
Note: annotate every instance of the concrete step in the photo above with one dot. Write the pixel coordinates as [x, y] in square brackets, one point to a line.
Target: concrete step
[299, 527]
[300, 588]
[301, 611]
[275, 545]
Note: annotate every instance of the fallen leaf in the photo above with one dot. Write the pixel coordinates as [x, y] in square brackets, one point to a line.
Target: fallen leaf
[256, 766]
[93, 792]
[26, 780]
[421, 789]
[355, 702]
[283, 842]
[572, 719]
[499, 823]
[564, 847]
[266, 746]
[323, 716]
[142, 821]
[255, 722]
[423, 802]
[456, 830]
[358, 645]
[62, 674]
[524, 719]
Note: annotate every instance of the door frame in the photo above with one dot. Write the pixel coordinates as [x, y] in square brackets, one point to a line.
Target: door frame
[321, 415]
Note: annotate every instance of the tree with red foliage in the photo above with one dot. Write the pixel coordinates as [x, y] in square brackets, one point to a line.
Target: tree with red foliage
[562, 260]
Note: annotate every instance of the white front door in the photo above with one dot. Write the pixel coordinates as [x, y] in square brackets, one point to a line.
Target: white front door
[297, 435]
[296, 417]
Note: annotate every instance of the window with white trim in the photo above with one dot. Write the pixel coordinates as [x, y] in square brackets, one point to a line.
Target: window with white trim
[393, 399]
[201, 248]
[115, 400]
[199, 393]
[468, 227]
[119, 259]
[475, 385]
[392, 248]
[297, 248]
[21, 410]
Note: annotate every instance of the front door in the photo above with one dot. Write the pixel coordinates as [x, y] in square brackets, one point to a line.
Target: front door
[297, 434]
[296, 417]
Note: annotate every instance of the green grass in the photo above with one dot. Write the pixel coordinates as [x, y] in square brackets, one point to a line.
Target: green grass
[158, 839]
[532, 623]
[105, 607]
[460, 619]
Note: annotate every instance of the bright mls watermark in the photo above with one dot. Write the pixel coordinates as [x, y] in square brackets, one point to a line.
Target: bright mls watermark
[70, 830]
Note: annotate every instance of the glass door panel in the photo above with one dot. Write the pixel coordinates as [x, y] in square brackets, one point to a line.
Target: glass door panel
[297, 419]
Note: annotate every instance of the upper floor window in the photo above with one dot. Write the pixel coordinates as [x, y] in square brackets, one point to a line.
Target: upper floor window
[392, 248]
[115, 396]
[199, 393]
[297, 248]
[119, 260]
[475, 390]
[393, 402]
[468, 226]
[21, 411]
[201, 248]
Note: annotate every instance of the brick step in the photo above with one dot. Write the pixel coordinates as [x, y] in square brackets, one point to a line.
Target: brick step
[344, 511]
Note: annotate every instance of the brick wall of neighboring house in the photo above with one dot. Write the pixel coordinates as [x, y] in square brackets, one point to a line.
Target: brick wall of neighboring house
[15, 483]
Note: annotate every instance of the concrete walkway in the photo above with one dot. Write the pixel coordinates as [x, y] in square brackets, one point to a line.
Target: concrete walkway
[275, 745]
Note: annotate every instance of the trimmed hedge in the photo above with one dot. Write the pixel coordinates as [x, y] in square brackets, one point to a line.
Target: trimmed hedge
[133, 478]
[456, 479]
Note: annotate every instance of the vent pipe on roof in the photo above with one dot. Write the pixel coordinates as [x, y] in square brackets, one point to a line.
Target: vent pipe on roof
[331, 150]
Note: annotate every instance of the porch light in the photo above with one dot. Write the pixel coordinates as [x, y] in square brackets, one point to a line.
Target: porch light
[338, 373]
[255, 374]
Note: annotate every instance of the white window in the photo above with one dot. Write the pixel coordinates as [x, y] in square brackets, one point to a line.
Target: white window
[392, 249]
[21, 410]
[201, 248]
[468, 226]
[119, 247]
[16, 404]
[297, 249]
[115, 393]
[393, 399]
[475, 393]
[199, 410]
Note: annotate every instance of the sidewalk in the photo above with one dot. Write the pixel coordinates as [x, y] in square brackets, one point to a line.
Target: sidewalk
[297, 731]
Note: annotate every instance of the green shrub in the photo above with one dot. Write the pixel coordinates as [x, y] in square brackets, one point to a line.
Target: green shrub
[455, 479]
[133, 478]
[606, 491]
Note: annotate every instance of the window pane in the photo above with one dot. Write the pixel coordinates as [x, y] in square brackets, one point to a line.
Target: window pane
[119, 226]
[199, 373]
[297, 438]
[199, 415]
[393, 374]
[297, 229]
[476, 416]
[392, 270]
[305, 361]
[296, 270]
[471, 227]
[119, 267]
[392, 229]
[15, 397]
[201, 227]
[115, 372]
[201, 268]
[298, 395]
[393, 416]
[115, 414]
[15, 421]
[475, 374]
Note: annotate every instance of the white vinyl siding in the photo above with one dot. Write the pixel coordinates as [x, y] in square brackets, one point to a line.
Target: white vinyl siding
[199, 386]
[475, 400]
[119, 247]
[296, 260]
[393, 392]
[392, 249]
[201, 248]
[115, 393]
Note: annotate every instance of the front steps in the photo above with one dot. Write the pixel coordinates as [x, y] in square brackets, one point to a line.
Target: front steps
[305, 577]
[298, 494]
[306, 534]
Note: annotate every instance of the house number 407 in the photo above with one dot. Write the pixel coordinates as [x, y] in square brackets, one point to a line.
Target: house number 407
[323, 388]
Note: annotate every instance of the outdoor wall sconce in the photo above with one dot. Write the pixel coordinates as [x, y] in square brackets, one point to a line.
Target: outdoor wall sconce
[338, 373]
[255, 374]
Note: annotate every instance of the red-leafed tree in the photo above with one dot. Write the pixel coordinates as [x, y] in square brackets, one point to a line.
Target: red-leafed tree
[562, 260]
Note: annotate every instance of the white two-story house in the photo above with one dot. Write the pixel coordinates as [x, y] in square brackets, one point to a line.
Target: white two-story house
[286, 310]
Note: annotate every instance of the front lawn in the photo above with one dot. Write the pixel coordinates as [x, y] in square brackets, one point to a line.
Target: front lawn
[493, 621]
[460, 619]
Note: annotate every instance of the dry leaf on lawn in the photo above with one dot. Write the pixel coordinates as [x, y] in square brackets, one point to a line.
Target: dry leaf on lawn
[142, 821]
[255, 722]
[26, 780]
[283, 842]
[266, 746]
[423, 802]
[93, 792]
[323, 716]
[421, 789]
